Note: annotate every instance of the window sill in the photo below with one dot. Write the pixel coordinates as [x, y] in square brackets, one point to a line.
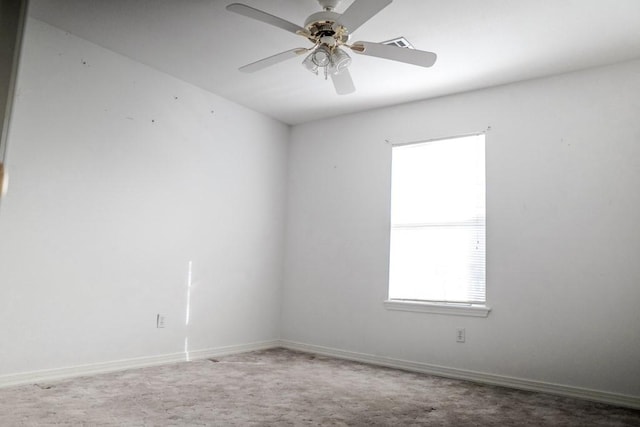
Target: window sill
[436, 308]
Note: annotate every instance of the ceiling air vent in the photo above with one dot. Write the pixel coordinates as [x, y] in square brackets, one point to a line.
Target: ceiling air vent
[400, 42]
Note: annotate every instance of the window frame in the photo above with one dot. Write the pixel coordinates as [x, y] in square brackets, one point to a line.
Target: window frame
[439, 307]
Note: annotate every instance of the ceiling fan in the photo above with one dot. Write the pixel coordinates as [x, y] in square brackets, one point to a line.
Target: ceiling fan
[330, 32]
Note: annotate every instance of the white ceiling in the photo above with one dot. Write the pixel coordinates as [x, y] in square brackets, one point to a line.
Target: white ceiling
[480, 43]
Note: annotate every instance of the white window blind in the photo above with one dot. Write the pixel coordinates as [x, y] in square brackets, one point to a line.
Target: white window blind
[438, 221]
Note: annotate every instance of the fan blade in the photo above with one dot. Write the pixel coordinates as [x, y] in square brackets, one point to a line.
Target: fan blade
[343, 83]
[360, 12]
[395, 53]
[258, 15]
[272, 60]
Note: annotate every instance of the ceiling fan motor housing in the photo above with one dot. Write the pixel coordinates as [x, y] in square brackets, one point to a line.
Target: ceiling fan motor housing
[321, 25]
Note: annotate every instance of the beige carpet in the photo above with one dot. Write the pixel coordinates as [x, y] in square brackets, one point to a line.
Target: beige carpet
[285, 388]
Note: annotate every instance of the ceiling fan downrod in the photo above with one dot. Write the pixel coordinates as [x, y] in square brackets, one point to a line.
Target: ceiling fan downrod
[328, 5]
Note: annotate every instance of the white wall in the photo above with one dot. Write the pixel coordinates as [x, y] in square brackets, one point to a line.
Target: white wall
[563, 277]
[121, 175]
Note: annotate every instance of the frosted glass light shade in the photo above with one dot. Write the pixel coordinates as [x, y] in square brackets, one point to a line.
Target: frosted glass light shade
[309, 64]
[321, 56]
[340, 61]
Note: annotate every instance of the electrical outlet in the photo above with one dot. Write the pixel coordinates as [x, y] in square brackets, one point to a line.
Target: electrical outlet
[161, 321]
[460, 335]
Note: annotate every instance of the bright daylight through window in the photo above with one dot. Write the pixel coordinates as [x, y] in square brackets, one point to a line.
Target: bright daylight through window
[438, 221]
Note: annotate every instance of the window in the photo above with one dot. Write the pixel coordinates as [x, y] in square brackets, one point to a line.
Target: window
[437, 253]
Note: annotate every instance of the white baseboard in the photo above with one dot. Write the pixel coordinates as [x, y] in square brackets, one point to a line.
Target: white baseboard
[122, 365]
[479, 377]
[233, 349]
